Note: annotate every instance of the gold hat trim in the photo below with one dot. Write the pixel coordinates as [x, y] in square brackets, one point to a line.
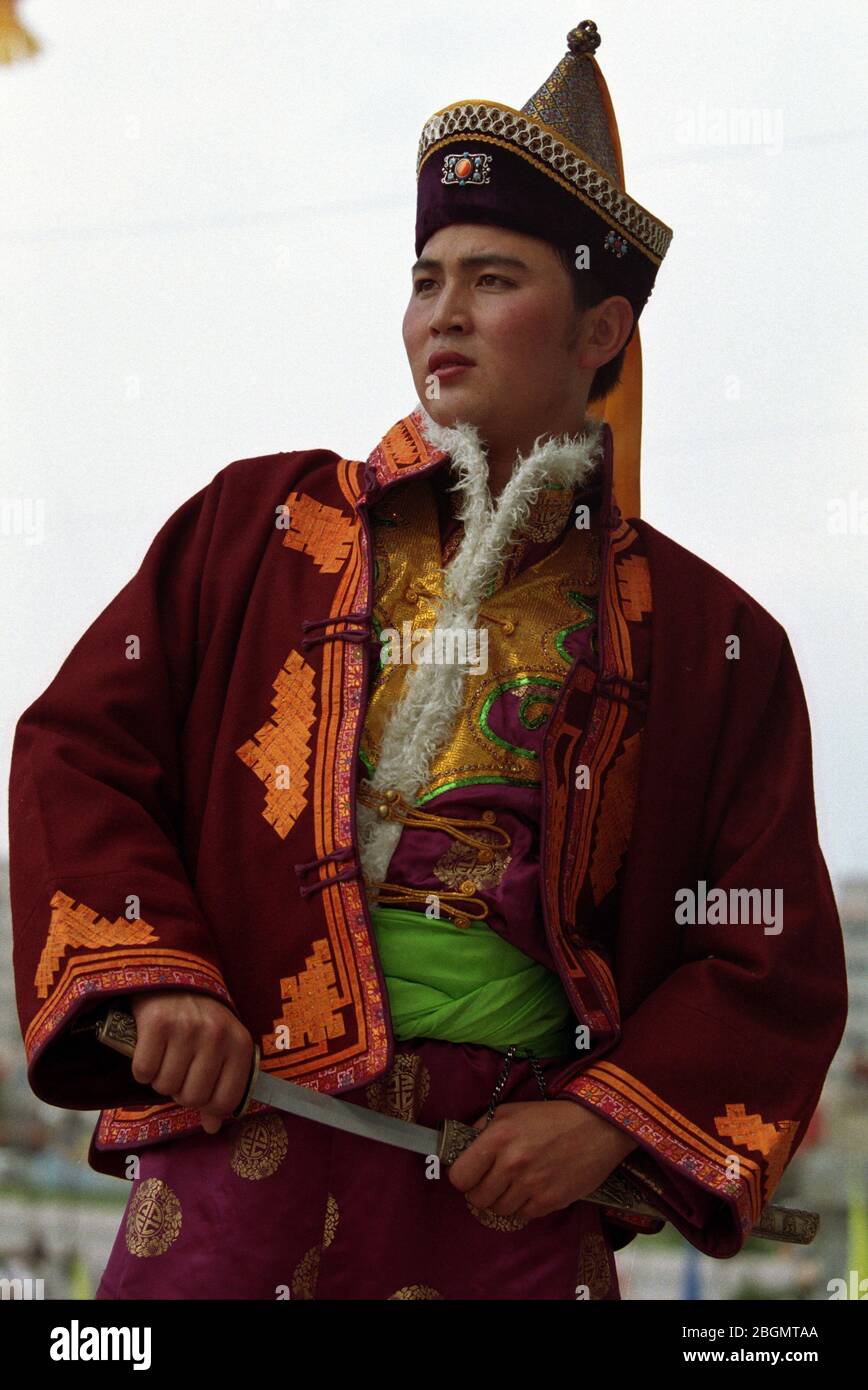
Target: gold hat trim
[578, 174]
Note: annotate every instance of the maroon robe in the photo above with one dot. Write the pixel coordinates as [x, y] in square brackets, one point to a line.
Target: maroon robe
[152, 848]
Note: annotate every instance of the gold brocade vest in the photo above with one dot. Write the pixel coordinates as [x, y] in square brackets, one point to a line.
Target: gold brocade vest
[472, 835]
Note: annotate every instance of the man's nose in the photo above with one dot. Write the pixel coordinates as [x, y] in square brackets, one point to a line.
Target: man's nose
[450, 311]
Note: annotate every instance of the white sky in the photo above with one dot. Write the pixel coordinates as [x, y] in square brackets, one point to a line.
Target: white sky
[206, 223]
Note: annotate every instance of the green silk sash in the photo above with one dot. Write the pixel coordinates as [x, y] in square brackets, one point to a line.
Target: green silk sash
[469, 985]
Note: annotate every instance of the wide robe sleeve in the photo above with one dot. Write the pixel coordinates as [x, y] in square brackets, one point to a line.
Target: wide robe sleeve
[101, 900]
[718, 1071]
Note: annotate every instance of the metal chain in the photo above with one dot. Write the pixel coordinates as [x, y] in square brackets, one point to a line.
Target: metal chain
[501, 1080]
[538, 1073]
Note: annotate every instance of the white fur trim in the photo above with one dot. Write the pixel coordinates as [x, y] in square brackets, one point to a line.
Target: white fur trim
[424, 716]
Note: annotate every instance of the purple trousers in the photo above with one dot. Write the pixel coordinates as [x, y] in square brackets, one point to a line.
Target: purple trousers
[274, 1206]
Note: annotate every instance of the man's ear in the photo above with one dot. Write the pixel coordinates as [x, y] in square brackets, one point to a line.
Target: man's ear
[605, 329]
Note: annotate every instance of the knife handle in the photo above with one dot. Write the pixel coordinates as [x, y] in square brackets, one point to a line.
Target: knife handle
[455, 1137]
[117, 1029]
[621, 1192]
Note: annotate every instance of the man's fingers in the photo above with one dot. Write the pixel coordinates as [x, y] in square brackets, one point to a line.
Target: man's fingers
[175, 1064]
[232, 1081]
[150, 1049]
[472, 1164]
[494, 1188]
[508, 1203]
[202, 1079]
[225, 1091]
[192, 1049]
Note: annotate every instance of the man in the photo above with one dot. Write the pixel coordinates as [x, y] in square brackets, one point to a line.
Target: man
[452, 790]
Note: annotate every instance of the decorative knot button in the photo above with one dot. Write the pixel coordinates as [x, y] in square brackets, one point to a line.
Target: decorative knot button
[384, 807]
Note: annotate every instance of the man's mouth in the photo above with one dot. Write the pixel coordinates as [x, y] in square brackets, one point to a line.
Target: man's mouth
[445, 365]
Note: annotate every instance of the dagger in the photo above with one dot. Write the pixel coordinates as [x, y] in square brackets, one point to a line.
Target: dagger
[117, 1030]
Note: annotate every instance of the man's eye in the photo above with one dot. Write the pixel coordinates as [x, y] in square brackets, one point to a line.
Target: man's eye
[420, 285]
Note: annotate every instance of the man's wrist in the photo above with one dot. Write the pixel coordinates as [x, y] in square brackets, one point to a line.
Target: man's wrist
[622, 1143]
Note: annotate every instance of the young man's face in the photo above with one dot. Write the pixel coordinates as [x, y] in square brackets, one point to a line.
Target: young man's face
[504, 301]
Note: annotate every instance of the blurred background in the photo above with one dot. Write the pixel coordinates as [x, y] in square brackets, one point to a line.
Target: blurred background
[206, 222]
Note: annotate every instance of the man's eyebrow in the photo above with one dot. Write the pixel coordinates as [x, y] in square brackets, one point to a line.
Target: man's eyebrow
[486, 258]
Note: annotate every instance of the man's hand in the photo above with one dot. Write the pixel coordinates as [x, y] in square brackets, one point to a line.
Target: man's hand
[538, 1156]
[192, 1048]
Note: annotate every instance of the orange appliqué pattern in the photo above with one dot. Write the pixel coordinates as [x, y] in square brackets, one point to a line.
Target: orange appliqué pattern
[773, 1141]
[73, 925]
[404, 447]
[634, 581]
[311, 1005]
[323, 532]
[279, 752]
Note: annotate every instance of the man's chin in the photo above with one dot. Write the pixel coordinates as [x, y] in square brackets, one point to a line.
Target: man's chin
[449, 411]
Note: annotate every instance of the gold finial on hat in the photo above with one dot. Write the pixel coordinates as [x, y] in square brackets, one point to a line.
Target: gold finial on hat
[584, 39]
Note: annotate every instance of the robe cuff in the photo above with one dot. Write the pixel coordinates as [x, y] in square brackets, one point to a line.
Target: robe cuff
[675, 1165]
[89, 962]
